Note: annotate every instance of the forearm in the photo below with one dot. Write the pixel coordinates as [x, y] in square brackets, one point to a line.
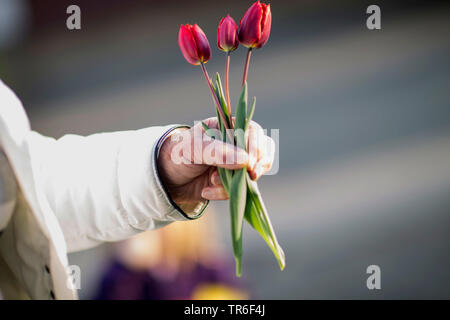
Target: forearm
[106, 187]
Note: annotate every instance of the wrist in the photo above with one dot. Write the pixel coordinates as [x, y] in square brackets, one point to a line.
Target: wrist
[167, 168]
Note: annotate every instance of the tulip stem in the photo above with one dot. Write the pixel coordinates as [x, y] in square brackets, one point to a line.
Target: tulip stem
[227, 88]
[247, 62]
[216, 100]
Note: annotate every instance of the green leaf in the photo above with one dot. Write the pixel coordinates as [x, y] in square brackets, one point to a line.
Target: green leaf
[250, 115]
[212, 133]
[221, 126]
[224, 174]
[238, 197]
[207, 128]
[221, 97]
[241, 114]
[253, 218]
[254, 193]
[241, 109]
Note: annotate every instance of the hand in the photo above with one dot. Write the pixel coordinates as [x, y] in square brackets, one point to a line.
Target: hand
[188, 161]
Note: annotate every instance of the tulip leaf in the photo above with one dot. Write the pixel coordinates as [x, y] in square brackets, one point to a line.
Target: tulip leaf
[221, 97]
[219, 119]
[251, 113]
[241, 108]
[212, 133]
[254, 193]
[253, 218]
[224, 174]
[241, 114]
[219, 94]
[207, 130]
[245, 198]
[238, 197]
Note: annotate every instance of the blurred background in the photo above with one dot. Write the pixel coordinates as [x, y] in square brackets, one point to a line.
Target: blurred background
[364, 120]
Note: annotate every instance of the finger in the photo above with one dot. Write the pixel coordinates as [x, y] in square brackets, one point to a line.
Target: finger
[224, 155]
[212, 122]
[256, 172]
[214, 193]
[256, 139]
[215, 179]
[265, 163]
[260, 169]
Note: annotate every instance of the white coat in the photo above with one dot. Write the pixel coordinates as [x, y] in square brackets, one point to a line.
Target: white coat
[58, 196]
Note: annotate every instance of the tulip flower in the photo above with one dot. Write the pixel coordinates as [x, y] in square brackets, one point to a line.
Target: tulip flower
[227, 41]
[193, 44]
[195, 48]
[227, 35]
[254, 30]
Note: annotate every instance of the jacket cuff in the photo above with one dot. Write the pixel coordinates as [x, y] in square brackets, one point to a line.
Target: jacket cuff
[184, 214]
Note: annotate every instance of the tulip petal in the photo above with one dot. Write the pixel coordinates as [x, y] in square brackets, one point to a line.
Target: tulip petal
[266, 24]
[227, 38]
[250, 26]
[202, 43]
[187, 45]
[219, 34]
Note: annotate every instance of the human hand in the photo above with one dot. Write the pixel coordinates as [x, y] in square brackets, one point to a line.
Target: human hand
[188, 161]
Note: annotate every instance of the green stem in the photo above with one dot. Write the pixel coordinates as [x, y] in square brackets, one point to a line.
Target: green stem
[227, 88]
[247, 62]
[216, 100]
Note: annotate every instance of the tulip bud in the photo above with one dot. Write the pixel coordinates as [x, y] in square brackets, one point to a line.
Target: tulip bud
[227, 35]
[254, 29]
[193, 44]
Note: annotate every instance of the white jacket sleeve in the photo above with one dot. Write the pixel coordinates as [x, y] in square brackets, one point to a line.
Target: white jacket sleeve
[8, 191]
[105, 187]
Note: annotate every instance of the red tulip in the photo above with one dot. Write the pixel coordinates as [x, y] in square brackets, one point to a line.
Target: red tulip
[227, 35]
[254, 29]
[193, 44]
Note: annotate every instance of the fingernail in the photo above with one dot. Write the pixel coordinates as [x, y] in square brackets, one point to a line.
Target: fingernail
[258, 171]
[216, 180]
[206, 193]
[251, 162]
